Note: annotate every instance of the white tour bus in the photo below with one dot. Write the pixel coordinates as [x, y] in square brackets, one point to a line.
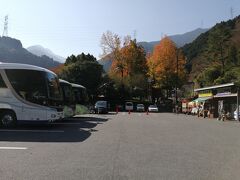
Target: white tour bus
[81, 98]
[28, 94]
[68, 98]
[80, 93]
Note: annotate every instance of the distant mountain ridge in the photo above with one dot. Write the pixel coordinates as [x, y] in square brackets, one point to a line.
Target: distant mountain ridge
[41, 51]
[12, 51]
[106, 62]
[179, 39]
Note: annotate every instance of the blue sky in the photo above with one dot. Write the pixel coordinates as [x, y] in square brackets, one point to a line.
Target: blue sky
[74, 26]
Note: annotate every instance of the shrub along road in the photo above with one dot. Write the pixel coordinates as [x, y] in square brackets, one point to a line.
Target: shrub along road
[123, 146]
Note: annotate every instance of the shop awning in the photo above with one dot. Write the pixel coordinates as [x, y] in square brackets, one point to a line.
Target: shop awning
[202, 99]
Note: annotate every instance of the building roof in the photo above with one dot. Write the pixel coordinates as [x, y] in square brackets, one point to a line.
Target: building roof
[202, 99]
[214, 87]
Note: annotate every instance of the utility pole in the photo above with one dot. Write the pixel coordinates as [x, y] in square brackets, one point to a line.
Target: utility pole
[177, 79]
[231, 12]
[135, 34]
[121, 70]
[5, 29]
[237, 103]
[176, 85]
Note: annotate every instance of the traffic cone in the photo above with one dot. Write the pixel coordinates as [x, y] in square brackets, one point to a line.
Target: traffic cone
[147, 112]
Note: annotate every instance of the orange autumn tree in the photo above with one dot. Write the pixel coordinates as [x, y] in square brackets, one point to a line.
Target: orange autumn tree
[166, 65]
[111, 45]
[128, 59]
[132, 62]
[128, 69]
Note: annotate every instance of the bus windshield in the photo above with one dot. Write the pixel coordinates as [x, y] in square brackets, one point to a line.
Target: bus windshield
[33, 85]
[29, 84]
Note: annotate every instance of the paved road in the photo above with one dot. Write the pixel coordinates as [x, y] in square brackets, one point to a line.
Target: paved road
[123, 147]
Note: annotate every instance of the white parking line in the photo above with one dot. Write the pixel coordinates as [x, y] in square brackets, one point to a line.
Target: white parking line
[13, 148]
[23, 130]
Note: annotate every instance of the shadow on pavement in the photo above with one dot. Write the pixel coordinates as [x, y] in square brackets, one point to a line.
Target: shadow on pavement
[69, 130]
[88, 119]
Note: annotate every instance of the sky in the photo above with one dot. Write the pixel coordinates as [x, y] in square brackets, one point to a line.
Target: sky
[74, 26]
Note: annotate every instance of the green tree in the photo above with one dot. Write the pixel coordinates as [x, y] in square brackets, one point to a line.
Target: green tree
[129, 67]
[136, 67]
[85, 70]
[233, 55]
[217, 44]
[80, 58]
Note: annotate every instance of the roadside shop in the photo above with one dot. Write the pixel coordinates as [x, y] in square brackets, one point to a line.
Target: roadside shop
[218, 99]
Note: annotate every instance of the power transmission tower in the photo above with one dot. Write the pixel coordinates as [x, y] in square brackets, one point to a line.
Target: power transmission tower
[5, 29]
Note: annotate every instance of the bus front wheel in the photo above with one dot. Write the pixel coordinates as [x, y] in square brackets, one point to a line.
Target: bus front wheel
[8, 119]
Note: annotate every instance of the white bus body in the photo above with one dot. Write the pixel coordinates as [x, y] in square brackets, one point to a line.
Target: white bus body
[28, 94]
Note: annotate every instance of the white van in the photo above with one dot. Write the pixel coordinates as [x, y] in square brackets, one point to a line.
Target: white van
[235, 114]
[129, 106]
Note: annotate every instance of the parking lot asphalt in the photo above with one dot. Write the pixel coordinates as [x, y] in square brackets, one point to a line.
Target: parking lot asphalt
[125, 146]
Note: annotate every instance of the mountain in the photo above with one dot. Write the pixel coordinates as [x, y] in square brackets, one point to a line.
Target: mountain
[12, 51]
[41, 51]
[204, 58]
[180, 39]
[106, 62]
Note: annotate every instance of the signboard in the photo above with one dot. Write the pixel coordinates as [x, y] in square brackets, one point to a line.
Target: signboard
[205, 94]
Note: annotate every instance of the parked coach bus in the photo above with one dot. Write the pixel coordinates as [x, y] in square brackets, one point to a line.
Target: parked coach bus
[68, 98]
[81, 98]
[80, 93]
[28, 93]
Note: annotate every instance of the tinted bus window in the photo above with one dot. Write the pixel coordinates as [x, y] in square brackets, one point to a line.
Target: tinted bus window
[29, 84]
[67, 92]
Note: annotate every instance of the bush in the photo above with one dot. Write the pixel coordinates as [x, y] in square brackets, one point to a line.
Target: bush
[81, 109]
